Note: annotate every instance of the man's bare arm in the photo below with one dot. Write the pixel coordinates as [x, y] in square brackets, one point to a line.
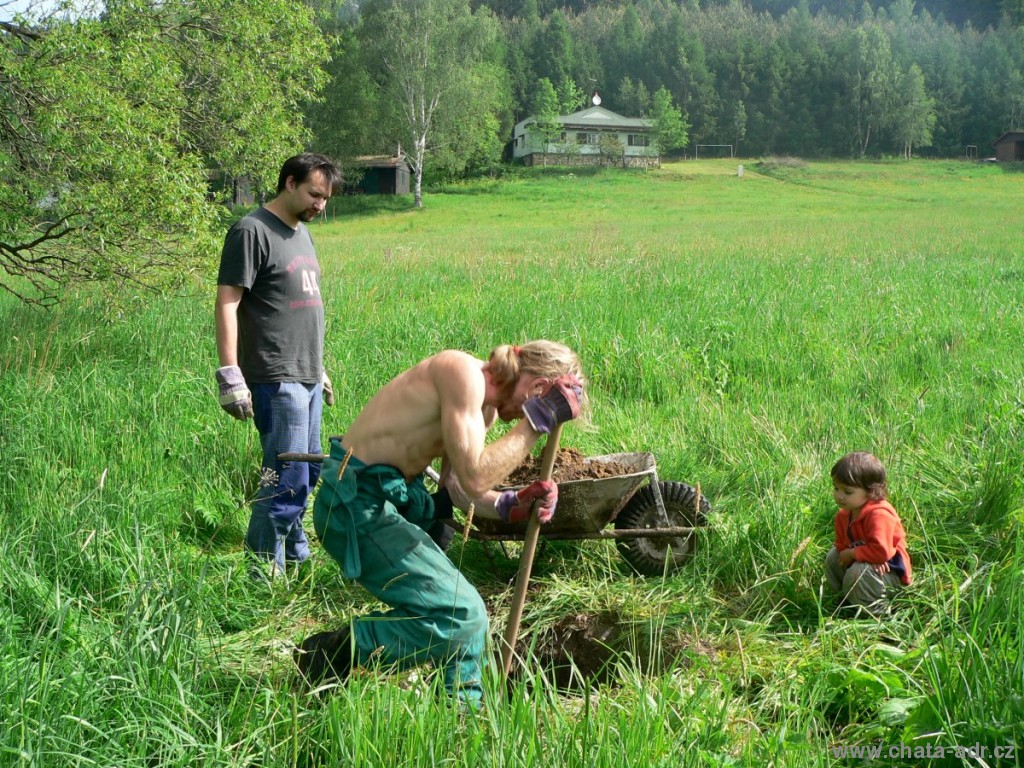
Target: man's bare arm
[479, 467]
[482, 505]
[226, 318]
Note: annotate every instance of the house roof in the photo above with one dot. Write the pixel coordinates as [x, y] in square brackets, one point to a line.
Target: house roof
[595, 118]
[599, 117]
[1009, 136]
[380, 161]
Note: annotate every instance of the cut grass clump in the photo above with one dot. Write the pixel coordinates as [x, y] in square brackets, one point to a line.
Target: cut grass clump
[775, 162]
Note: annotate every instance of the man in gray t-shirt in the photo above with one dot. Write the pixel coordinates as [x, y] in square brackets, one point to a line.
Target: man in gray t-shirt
[270, 335]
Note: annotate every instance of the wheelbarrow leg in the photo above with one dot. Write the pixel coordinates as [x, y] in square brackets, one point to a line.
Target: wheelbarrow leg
[659, 503]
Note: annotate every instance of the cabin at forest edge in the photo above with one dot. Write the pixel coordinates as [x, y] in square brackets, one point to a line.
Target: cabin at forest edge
[1010, 147]
[380, 175]
[580, 140]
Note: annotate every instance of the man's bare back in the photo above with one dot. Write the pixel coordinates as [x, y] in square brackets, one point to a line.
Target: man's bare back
[402, 424]
[443, 406]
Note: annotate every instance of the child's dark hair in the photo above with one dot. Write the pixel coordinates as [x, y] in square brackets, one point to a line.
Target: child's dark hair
[862, 470]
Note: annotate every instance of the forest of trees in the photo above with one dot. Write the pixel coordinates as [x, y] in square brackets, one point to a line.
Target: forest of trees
[979, 13]
[114, 112]
[841, 78]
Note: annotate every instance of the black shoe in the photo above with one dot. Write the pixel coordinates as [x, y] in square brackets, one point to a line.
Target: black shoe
[325, 657]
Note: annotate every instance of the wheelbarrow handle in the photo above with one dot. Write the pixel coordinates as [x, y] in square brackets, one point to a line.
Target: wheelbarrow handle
[315, 458]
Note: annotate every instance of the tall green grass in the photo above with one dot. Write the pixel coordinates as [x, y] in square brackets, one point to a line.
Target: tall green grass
[747, 331]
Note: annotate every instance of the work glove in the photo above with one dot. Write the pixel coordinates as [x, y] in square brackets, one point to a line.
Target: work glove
[328, 389]
[514, 506]
[234, 395]
[558, 404]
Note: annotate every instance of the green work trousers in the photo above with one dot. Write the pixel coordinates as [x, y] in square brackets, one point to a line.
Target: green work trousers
[373, 522]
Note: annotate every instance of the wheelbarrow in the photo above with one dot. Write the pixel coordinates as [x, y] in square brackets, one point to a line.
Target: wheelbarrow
[654, 525]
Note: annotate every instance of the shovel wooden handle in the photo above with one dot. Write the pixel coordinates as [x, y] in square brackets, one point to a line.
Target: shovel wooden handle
[547, 466]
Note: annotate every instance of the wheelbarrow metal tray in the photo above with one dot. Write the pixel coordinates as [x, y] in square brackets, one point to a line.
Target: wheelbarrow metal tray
[587, 505]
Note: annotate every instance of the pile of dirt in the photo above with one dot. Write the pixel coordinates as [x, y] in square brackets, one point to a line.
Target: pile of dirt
[570, 464]
[582, 650]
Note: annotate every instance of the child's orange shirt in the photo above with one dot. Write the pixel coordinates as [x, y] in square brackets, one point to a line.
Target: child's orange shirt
[876, 536]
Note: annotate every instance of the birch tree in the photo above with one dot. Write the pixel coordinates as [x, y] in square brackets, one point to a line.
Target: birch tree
[915, 112]
[871, 79]
[424, 56]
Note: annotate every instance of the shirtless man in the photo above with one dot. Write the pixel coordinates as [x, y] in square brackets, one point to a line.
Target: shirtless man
[373, 510]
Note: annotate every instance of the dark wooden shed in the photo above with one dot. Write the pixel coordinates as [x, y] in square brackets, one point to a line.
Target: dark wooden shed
[230, 190]
[1010, 147]
[383, 175]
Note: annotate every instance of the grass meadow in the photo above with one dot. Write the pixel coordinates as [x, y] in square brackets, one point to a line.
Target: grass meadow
[748, 331]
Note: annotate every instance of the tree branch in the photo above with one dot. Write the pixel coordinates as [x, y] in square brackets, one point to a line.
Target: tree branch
[22, 33]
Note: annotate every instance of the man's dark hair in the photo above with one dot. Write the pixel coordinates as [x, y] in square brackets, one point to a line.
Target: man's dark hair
[862, 470]
[300, 166]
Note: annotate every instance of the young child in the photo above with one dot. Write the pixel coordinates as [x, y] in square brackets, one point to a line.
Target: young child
[869, 561]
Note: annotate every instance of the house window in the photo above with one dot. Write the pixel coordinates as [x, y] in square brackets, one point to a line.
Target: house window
[638, 140]
[562, 137]
[587, 138]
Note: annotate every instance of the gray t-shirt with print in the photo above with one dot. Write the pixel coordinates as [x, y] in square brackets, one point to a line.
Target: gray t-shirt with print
[281, 315]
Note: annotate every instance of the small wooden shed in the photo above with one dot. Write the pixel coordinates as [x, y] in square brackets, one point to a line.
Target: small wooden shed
[383, 175]
[230, 190]
[1010, 147]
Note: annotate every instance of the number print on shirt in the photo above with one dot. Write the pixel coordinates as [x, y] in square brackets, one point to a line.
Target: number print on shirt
[309, 284]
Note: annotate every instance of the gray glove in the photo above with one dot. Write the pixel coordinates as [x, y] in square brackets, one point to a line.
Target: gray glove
[234, 395]
[328, 389]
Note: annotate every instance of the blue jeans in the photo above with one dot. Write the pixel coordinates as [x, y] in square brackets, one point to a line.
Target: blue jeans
[287, 415]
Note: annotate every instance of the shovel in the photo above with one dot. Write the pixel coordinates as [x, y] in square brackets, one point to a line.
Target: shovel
[547, 465]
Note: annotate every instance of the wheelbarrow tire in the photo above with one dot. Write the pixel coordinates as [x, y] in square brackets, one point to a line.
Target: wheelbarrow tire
[657, 556]
[441, 534]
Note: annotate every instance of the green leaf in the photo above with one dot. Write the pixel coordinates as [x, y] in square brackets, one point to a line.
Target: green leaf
[896, 711]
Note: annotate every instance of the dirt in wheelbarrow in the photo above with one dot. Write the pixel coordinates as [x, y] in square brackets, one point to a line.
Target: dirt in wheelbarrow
[570, 464]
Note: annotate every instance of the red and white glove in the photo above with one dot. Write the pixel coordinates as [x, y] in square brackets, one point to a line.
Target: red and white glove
[558, 404]
[515, 506]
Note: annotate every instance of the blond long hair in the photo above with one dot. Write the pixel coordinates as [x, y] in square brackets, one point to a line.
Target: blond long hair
[537, 358]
